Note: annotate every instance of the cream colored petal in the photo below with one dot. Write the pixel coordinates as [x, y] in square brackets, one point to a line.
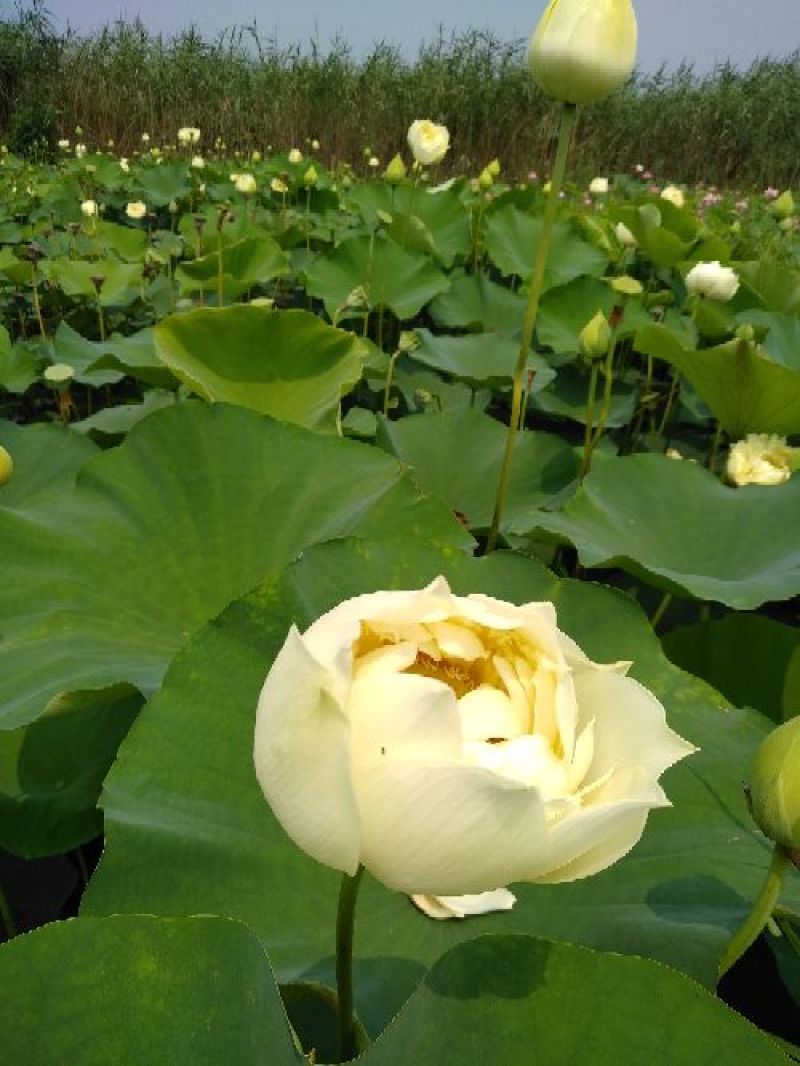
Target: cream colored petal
[302, 757]
[402, 716]
[590, 841]
[518, 682]
[444, 828]
[630, 724]
[487, 713]
[392, 658]
[527, 759]
[444, 907]
[457, 642]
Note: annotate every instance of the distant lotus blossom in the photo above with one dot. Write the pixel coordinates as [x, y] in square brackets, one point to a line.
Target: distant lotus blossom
[533, 176]
[741, 205]
[711, 199]
[647, 176]
[771, 194]
[639, 168]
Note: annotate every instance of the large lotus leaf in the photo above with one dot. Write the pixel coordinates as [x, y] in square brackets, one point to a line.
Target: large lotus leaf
[51, 771]
[404, 281]
[246, 263]
[678, 526]
[287, 364]
[433, 220]
[458, 455]
[747, 657]
[512, 237]
[87, 358]
[477, 303]
[188, 831]
[135, 989]
[478, 358]
[121, 282]
[128, 242]
[104, 583]
[19, 365]
[161, 184]
[567, 398]
[746, 391]
[519, 1001]
[772, 286]
[46, 459]
[567, 309]
[782, 342]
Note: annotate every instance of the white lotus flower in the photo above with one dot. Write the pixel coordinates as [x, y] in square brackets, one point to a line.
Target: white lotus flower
[244, 183]
[188, 135]
[673, 195]
[454, 744]
[760, 459]
[598, 186]
[428, 142]
[89, 208]
[712, 280]
[136, 209]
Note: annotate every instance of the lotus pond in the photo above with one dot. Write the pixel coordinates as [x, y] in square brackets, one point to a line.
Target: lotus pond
[227, 406]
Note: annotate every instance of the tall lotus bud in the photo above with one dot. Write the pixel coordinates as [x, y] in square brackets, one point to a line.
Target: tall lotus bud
[783, 207]
[595, 336]
[396, 170]
[775, 785]
[582, 50]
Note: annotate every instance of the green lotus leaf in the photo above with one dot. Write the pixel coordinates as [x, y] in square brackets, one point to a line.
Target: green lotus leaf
[676, 525]
[511, 239]
[286, 364]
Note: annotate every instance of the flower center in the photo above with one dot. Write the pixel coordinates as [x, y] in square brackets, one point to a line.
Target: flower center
[460, 676]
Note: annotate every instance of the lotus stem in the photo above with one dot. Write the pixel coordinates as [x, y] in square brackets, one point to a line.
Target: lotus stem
[747, 933]
[345, 922]
[567, 125]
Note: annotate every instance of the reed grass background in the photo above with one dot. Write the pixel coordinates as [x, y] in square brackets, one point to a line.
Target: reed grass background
[730, 127]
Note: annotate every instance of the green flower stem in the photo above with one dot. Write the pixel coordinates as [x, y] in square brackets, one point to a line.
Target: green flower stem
[587, 436]
[763, 907]
[345, 921]
[567, 125]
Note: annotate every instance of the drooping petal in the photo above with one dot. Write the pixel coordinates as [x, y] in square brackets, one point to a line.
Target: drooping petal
[443, 907]
[302, 757]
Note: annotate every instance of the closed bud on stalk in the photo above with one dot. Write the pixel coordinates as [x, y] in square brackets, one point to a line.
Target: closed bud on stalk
[775, 785]
[396, 170]
[786, 225]
[310, 177]
[6, 466]
[582, 50]
[494, 168]
[783, 207]
[595, 336]
[485, 179]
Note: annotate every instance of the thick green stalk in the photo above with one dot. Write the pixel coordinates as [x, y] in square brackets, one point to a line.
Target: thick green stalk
[762, 910]
[568, 116]
[345, 921]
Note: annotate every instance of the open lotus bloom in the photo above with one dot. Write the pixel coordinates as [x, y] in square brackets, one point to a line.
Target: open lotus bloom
[454, 744]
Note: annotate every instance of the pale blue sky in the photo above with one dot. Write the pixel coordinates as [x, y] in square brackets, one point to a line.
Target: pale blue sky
[701, 31]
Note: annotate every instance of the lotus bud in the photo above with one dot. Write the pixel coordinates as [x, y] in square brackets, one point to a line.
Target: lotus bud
[494, 168]
[485, 179]
[59, 375]
[310, 177]
[595, 336]
[783, 207]
[775, 785]
[786, 225]
[6, 466]
[582, 50]
[396, 170]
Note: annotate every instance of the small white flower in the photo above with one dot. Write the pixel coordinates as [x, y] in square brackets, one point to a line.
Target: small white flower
[124, 165]
[673, 195]
[188, 135]
[198, 162]
[63, 143]
[89, 208]
[245, 184]
[598, 186]
[136, 209]
[760, 459]
[295, 156]
[428, 142]
[373, 162]
[80, 151]
[712, 280]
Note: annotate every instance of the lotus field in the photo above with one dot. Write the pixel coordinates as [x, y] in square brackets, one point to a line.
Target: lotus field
[398, 617]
